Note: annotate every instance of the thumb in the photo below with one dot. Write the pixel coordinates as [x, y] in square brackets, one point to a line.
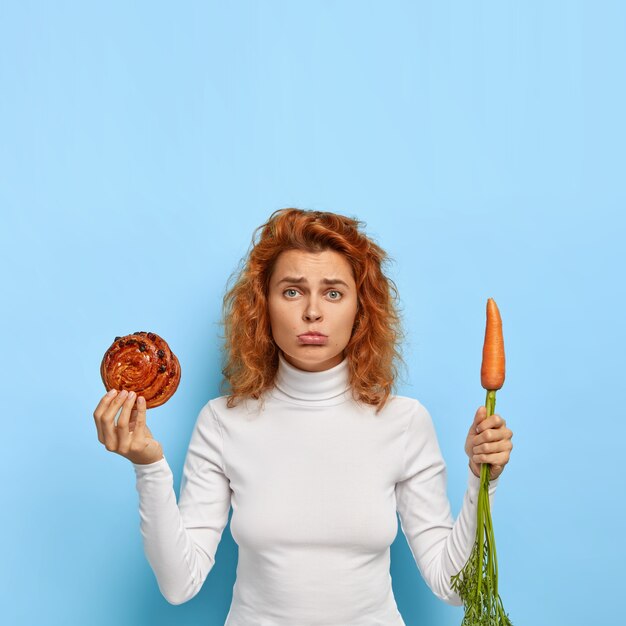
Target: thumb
[481, 414]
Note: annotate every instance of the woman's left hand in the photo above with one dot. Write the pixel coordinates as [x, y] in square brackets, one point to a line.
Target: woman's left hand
[488, 441]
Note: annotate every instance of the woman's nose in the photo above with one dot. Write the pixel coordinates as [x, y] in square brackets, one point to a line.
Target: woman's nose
[311, 314]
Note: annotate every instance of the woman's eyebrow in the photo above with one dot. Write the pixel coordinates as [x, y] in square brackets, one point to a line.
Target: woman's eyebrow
[302, 279]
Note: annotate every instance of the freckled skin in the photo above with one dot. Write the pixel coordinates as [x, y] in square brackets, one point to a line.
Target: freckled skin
[296, 308]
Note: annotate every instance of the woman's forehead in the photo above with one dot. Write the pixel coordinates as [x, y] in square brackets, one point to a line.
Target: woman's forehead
[306, 264]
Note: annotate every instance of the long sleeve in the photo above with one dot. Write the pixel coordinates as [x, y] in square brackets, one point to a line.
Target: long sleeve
[440, 545]
[180, 540]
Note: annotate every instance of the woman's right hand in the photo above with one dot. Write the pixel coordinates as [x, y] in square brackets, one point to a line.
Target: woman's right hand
[131, 437]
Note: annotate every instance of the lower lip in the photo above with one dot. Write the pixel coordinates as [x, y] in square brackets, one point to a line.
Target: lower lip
[314, 340]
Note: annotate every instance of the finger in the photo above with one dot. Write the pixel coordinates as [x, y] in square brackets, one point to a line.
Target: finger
[140, 421]
[103, 405]
[501, 458]
[123, 434]
[128, 403]
[108, 426]
[492, 447]
[133, 419]
[492, 434]
[493, 421]
[105, 401]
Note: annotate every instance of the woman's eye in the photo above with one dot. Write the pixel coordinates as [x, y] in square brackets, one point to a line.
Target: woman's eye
[333, 294]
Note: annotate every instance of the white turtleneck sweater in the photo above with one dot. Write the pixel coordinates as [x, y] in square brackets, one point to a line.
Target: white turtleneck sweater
[315, 480]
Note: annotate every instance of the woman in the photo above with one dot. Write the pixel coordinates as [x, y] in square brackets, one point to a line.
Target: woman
[310, 447]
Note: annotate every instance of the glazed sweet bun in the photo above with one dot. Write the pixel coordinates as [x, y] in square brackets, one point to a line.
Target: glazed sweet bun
[143, 363]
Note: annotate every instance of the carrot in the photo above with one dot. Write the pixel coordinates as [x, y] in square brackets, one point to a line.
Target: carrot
[477, 583]
[492, 367]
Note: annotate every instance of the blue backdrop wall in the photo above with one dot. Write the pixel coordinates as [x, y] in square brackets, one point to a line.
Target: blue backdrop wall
[481, 143]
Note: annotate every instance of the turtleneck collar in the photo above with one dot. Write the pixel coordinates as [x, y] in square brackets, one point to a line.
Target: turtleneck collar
[319, 388]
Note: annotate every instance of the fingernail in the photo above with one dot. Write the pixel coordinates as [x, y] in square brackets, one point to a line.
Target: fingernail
[111, 392]
[131, 394]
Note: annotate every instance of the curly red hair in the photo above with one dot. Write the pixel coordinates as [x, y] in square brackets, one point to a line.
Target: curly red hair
[251, 355]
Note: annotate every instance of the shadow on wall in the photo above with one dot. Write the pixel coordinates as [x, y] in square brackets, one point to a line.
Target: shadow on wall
[209, 608]
[416, 602]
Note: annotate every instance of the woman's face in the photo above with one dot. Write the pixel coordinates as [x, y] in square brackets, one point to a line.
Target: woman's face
[312, 292]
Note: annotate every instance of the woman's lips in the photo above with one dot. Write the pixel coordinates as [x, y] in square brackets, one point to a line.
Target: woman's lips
[314, 340]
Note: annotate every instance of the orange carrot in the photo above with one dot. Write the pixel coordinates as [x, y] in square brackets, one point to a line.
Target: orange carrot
[492, 368]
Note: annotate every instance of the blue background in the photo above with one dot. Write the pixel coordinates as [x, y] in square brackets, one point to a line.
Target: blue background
[481, 143]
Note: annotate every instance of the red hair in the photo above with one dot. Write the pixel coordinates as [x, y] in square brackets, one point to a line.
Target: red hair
[251, 355]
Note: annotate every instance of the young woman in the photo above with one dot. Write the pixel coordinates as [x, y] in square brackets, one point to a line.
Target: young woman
[310, 447]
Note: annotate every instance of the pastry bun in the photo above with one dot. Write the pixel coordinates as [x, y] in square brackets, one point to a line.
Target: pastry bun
[143, 363]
